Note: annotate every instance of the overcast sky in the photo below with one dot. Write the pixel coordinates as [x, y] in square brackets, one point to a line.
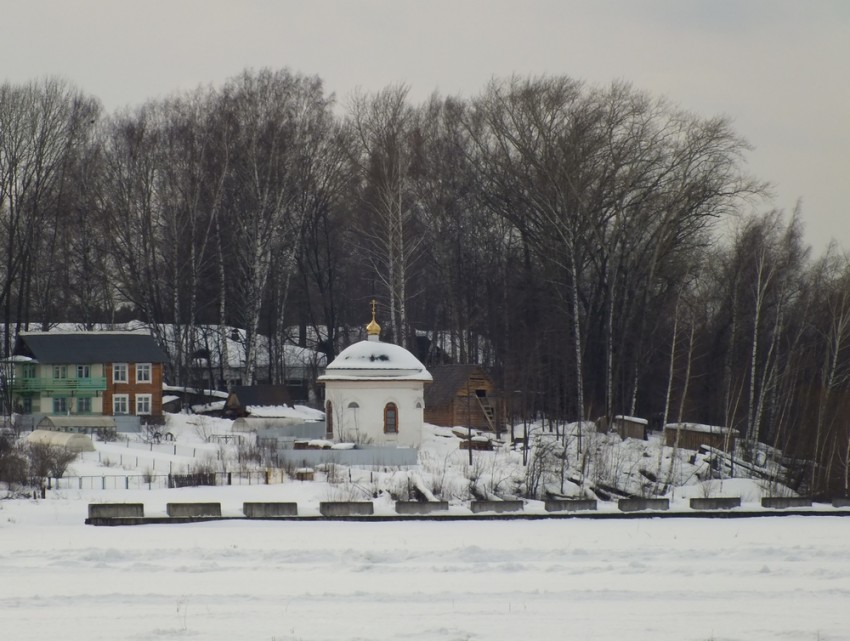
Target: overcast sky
[779, 68]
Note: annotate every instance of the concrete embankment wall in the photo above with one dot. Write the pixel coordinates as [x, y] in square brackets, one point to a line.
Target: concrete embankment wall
[499, 507]
[346, 508]
[116, 510]
[263, 510]
[780, 502]
[421, 507]
[719, 503]
[570, 505]
[639, 505]
[193, 509]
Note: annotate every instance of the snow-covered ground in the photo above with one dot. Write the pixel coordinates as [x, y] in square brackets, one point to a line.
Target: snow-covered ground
[771, 578]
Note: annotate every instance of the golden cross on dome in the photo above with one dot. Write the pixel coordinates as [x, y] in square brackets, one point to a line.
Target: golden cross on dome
[373, 329]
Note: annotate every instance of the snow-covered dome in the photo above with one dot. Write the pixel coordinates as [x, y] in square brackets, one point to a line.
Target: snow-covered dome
[371, 359]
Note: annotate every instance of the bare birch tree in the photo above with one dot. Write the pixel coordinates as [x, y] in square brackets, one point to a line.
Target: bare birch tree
[272, 116]
[383, 128]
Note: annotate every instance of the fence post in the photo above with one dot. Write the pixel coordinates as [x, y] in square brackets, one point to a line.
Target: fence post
[126, 482]
[267, 477]
[102, 482]
[229, 478]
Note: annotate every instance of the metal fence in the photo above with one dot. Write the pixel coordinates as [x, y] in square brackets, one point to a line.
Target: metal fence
[175, 449]
[164, 481]
[364, 455]
[150, 461]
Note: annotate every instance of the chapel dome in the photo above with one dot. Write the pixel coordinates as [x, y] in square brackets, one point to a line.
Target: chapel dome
[374, 359]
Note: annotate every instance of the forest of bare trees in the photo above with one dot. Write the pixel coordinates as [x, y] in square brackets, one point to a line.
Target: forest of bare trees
[603, 251]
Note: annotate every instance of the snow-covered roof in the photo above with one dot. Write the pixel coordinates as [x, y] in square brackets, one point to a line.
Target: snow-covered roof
[371, 359]
[195, 390]
[631, 419]
[300, 412]
[698, 427]
[216, 406]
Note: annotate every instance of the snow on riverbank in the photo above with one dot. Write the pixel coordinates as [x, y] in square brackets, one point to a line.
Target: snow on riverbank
[773, 578]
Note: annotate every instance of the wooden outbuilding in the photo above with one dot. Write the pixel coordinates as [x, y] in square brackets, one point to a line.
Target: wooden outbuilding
[693, 435]
[463, 395]
[631, 427]
[242, 397]
[625, 426]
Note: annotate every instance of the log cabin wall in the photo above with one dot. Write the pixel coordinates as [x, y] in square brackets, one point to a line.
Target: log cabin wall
[463, 395]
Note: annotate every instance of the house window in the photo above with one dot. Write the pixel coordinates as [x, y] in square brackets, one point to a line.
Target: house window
[119, 373]
[83, 406]
[83, 371]
[60, 371]
[353, 405]
[143, 404]
[391, 418]
[143, 372]
[60, 405]
[329, 420]
[26, 403]
[29, 371]
[120, 404]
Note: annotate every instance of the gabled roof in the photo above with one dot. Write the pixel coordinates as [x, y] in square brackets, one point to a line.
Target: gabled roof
[448, 380]
[89, 347]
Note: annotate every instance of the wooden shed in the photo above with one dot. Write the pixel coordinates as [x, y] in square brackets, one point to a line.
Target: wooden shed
[692, 435]
[631, 427]
[463, 395]
[242, 397]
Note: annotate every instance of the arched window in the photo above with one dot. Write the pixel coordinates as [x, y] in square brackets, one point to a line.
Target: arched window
[353, 405]
[329, 420]
[390, 418]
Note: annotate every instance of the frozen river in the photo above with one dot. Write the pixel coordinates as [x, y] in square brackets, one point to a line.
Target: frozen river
[772, 578]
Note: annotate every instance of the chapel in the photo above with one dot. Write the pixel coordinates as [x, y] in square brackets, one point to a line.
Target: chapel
[374, 393]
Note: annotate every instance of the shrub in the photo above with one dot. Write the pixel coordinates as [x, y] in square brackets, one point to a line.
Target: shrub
[13, 462]
[49, 461]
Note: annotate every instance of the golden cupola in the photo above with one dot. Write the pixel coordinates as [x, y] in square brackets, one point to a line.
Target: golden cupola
[373, 330]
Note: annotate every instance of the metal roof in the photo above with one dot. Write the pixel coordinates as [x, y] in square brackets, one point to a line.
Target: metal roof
[89, 347]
